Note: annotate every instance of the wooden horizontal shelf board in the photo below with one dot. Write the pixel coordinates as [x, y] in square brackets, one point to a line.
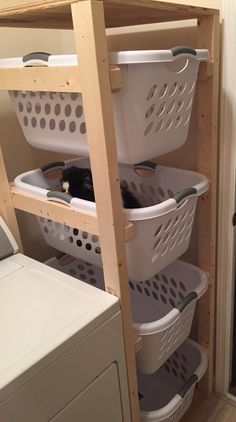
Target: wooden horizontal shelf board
[61, 213]
[57, 13]
[59, 79]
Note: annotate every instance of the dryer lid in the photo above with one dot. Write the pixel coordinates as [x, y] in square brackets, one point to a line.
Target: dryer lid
[43, 313]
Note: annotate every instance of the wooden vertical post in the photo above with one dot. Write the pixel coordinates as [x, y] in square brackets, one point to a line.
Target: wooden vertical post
[7, 211]
[207, 96]
[90, 38]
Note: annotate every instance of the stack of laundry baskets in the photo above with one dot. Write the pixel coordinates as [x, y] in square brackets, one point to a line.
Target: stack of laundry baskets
[152, 114]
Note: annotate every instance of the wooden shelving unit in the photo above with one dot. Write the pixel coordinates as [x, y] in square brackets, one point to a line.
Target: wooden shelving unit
[89, 19]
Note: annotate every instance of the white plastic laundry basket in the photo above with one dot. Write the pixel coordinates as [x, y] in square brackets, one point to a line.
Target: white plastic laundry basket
[162, 228]
[166, 395]
[162, 307]
[151, 112]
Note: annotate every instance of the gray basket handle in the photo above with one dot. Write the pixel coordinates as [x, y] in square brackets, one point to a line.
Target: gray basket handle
[185, 302]
[52, 165]
[183, 49]
[187, 386]
[184, 194]
[59, 196]
[38, 56]
[146, 164]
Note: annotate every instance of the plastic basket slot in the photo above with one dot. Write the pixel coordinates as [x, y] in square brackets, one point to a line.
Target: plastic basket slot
[161, 109]
[182, 88]
[170, 107]
[148, 128]
[150, 111]
[163, 90]
[186, 119]
[173, 89]
[152, 92]
[159, 126]
[188, 104]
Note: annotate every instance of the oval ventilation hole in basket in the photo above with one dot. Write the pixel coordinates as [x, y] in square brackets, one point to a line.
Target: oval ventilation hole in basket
[72, 126]
[179, 105]
[25, 121]
[37, 108]
[148, 128]
[178, 121]
[170, 107]
[42, 123]
[163, 90]
[67, 110]
[28, 107]
[57, 109]
[188, 104]
[79, 111]
[62, 125]
[161, 109]
[167, 226]
[152, 92]
[169, 123]
[173, 89]
[150, 111]
[20, 107]
[182, 88]
[191, 87]
[47, 109]
[158, 231]
[186, 119]
[155, 285]
[159, 126]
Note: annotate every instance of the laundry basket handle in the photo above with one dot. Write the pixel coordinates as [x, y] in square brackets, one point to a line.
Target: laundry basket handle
[37, 58]
[52, 165]
[183, 49]
[184, 193]
[187, 386]
[148, 164]
[185, 302]
[59, 196]
[145, 169]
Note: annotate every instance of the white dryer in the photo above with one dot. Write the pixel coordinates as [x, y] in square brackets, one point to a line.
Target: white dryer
[61, 345]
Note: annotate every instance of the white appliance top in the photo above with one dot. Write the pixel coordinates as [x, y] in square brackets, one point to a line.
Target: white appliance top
[42, 311]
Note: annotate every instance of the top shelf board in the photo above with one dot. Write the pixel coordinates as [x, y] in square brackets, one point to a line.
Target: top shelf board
[57, 13]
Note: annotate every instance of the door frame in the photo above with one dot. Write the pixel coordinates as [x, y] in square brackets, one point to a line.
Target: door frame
[226, 204]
